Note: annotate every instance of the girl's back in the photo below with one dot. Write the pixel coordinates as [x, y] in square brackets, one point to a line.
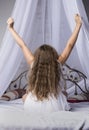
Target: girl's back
[32, 105]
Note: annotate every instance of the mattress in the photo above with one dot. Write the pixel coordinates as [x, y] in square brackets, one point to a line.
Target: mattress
[13, 117]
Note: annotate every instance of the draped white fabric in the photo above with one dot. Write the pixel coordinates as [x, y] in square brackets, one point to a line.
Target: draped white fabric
[39, 22]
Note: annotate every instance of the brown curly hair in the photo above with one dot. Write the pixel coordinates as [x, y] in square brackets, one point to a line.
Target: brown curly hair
[45, 73]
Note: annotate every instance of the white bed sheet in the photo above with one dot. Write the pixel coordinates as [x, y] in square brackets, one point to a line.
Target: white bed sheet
[13, 117]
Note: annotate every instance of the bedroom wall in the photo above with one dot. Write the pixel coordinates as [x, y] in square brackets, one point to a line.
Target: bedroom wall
[86, 4]
[6, 7]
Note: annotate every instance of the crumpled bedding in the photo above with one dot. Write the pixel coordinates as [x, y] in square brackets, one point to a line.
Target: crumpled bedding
[13, 117]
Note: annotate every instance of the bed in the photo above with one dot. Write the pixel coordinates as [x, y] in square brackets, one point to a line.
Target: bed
[13, 116]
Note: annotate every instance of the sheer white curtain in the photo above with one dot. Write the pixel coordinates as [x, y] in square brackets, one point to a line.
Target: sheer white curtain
[39, 22]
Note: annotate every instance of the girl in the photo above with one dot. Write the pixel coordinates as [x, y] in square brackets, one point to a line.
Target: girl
[44, 94]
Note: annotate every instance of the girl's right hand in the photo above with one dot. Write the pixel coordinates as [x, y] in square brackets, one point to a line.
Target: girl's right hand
[78, 19]
[10, 22]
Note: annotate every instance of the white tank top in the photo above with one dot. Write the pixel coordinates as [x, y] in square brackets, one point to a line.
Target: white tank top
[32, 105]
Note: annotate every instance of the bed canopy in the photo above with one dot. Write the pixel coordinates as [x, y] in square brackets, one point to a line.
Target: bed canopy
[39, 22]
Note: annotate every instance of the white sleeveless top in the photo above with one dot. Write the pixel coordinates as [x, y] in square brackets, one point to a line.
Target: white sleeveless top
[32, 105]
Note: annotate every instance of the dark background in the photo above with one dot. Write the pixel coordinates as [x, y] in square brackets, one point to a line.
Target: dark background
[86, 4]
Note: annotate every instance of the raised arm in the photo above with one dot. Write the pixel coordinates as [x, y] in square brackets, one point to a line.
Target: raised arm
[72, 40]
[27, 53]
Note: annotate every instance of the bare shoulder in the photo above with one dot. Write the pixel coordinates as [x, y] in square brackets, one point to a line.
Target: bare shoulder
[61, 59]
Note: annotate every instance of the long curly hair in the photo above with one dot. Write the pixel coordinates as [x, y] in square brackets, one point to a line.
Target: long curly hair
[44, 77]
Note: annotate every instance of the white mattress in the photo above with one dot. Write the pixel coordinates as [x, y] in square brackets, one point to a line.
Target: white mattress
[13, 117]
